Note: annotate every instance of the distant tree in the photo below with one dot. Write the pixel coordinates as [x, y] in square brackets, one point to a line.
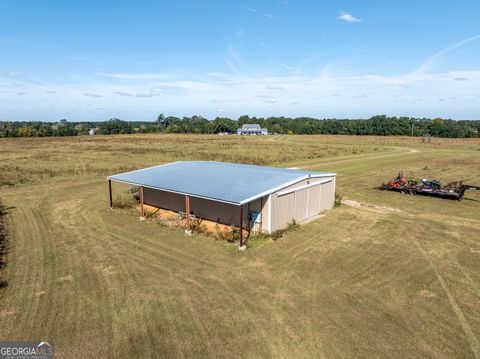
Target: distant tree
[115, 126]
[161, 122]
[223, 124]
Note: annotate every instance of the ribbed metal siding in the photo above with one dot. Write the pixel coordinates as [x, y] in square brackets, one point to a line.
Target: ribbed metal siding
[282, 210]
[314, 195]
[166, 200]
[327, 196]
[214, 211]
[302, 204]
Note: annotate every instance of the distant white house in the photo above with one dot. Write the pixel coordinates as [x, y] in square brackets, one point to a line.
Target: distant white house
[91, 132]
[252, 129]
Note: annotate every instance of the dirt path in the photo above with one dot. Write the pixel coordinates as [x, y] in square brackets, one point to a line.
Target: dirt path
[356, 204]
[367, 156]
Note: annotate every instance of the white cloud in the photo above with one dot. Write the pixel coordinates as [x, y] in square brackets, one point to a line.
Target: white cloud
[427, 63]
[349, 18]
[286, 66]
[234, 54]
[122, 93]
[274, 87]
[250, 9]
[14, 73]
[321, 95]
[234, 69]
[140, 76]
[270, 100]
[256, 11]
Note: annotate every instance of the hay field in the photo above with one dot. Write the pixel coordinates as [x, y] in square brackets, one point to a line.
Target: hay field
[388, 276]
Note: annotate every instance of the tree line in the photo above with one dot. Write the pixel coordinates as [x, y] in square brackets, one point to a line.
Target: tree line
[380, 125]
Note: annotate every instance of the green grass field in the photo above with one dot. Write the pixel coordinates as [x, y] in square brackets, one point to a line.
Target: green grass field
[390, 276]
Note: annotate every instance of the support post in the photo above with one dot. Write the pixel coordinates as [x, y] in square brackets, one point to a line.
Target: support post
[241, 226]
[188, 231]
[142, 209]
[110, 192]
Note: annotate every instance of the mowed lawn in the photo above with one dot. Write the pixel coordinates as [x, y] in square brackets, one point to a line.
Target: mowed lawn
[391, 276]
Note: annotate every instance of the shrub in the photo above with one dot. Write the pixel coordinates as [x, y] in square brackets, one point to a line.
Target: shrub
[279, 233]
[338, 200]
[125, 200]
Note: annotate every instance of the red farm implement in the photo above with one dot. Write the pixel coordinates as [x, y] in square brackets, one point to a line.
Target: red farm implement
[453, 190]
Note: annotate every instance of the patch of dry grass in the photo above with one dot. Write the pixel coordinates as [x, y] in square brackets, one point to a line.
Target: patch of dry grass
[359, 282]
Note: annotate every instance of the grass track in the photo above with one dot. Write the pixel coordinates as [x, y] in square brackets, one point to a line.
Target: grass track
[359, 282]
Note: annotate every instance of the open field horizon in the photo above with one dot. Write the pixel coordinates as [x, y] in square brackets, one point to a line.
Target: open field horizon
[388, 275]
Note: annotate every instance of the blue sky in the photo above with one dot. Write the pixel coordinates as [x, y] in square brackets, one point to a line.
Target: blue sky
[93, 60]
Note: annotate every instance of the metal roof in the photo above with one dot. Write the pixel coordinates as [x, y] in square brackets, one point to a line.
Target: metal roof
[254, 126]
[220, 181]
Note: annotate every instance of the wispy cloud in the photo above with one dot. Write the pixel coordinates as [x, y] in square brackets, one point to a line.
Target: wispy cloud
[142, 94]
[256, 11]
[251, 9]
[232, 51]
[122, 93]
[454, 46]
[427, 63]
[140, 76]
[234, 69]
[270, 100]
[286, 66]
[14, 73]
[366, 94]
[349, 18]
[274, 87]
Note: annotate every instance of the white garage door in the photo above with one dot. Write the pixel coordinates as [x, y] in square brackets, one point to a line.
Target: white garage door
[301, 204]
[314, 194]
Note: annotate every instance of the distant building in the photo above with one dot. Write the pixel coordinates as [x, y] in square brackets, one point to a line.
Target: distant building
[252, 129]
[91, 131]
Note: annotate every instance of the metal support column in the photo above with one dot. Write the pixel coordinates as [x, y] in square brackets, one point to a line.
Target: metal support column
[110, 192]
[187, 211]
[142, 209]
[241, 226]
